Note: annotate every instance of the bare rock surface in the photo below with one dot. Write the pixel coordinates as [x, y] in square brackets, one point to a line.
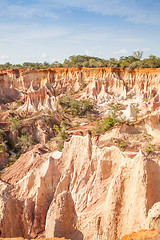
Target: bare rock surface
[12, 217]
[64, 221]
[98, 187]
[92, 192]
[143, 235]
[153, 218]
[39, 87]
[34, 176]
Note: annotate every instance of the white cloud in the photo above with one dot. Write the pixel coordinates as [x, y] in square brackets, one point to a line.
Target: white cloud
[43, 55]
[4, 57]
[142, 11]
[32, 32]
[18, 32]
[121, 52]
[146, 49]
[88, 52]
[27, 11]
[48, 32]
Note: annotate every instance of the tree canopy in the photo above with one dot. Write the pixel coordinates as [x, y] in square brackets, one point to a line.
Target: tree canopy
[126, 62]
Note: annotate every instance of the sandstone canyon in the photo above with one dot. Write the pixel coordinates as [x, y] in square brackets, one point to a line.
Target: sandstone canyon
[64, 174]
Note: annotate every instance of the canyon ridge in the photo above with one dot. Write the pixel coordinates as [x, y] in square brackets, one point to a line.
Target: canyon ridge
[80, 153]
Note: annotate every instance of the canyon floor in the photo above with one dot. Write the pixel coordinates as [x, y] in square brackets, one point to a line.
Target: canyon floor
[80, 154]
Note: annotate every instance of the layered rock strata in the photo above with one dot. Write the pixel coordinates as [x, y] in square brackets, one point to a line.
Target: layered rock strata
[92, 189]
[98, 83]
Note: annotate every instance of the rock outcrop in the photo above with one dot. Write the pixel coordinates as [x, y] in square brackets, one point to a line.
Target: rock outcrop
[99, 84]
[153, 219]
[4, 159]
[42, 99]
[35, 177]
[12, 217]
[61, 217]
[98, 187]
[143, 235]
[85, 192]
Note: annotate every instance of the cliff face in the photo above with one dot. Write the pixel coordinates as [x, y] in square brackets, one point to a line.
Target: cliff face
[98, 187]
[31, 84]
[90, 194]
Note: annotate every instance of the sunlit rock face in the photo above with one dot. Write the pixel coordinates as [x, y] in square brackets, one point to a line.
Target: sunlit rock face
[42, 99]
[12, 217]
[39, 88]
[85, 194]
[94, 188]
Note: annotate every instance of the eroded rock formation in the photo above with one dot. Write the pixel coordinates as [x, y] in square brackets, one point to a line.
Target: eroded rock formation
[39, 87]
[12, 217]
[111, 193]
[98, 187]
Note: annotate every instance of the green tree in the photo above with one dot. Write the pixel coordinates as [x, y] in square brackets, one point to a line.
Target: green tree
[138, 54]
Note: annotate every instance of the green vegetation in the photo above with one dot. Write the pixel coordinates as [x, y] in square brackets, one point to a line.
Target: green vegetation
[75, 107]
[83, 85]
[76, 124]
[129, 62]
[11, 161]
[47, 118]
[62, 135]
[24, 142]
[2, 148]
[104, 125]
[150, 148]
[138, 54]
[61, 131]
[15, 123]
[15, 105]
[148, 137]
[122, 144]
[2, 133]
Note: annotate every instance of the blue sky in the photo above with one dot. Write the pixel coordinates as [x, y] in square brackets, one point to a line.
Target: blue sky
[49, 30]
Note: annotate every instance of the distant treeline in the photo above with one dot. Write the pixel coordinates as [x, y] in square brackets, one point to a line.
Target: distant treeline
[129, 62]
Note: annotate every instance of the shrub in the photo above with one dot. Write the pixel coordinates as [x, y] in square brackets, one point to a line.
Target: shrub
[122, 144]
[83, 85]
[2, 133]
[24, 142]
[2, 148]
[19, 102]
[108, 122]
[75, 107]
[62, 135]
[150, 148]
[115, 111]
[15, 123]
[46, 118]
[60, 145]
[148, 137]
[11, 161]
[104, 125]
